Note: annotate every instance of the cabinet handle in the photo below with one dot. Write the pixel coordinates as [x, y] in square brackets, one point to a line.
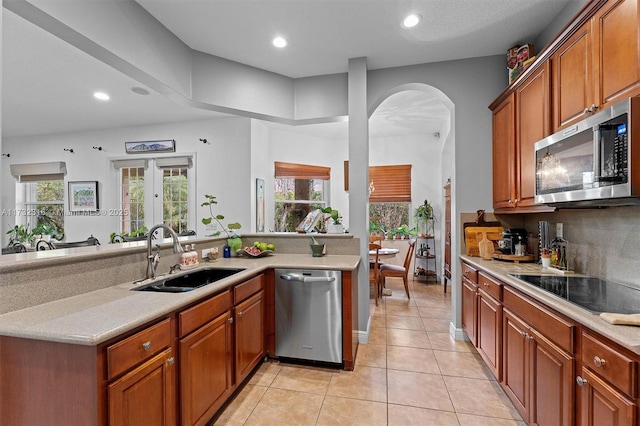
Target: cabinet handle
[528, 337]
[171, 360]
[523, 334]
[146, 346]
[599, 362]
[586, 111]
[240, 313]
[486, 284]
[230, 319]
[580, 381]
[510, 201]
[593, 107]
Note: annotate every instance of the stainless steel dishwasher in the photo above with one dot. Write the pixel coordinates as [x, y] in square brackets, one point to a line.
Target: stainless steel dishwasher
[309, 315]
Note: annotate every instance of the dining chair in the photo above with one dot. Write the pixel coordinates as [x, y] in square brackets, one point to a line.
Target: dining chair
[91, 241]
[374, 270]
[389, 270]
[14, 248]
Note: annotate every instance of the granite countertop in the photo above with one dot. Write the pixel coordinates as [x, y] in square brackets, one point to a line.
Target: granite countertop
[626, 335]
[95, 317]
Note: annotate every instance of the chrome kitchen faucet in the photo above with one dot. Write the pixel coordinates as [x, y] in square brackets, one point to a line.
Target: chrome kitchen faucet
[154, 259]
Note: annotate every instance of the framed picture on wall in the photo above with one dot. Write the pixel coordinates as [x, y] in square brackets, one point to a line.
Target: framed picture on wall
[260, 205]
[83, 196]
[146, 147]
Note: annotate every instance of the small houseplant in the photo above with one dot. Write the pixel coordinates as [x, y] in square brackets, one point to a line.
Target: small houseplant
[48, 231]
[335, 227]
[20, 234]
[423, 218]
[233, 239]
[138, 234]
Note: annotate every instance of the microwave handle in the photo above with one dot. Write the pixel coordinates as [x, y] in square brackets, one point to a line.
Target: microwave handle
[596, 153]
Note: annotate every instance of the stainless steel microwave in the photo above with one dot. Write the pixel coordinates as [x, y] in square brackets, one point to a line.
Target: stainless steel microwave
[593, 162]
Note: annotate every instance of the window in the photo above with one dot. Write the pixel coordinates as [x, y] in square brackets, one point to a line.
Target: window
[389, 197]
[131, 199]
[299, 189]
[44, 204]
[175, 194]
[140, 188]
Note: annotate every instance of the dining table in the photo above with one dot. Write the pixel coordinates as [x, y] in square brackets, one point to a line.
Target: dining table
[385, 252]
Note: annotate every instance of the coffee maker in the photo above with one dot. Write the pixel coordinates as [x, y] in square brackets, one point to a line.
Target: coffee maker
[511, 237]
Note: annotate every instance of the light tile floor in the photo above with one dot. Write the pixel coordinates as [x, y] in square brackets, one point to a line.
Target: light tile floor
[410, 373]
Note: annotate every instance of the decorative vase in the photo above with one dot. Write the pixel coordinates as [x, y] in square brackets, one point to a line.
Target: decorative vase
[317, 250]
[235, 243]
[335, 228]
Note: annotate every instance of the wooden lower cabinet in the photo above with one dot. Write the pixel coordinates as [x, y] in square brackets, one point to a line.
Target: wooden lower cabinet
[489, 332]
[537, 375]
[206, 370]
[145, 396]
[249, 335]
[469, 309]
[602, 404]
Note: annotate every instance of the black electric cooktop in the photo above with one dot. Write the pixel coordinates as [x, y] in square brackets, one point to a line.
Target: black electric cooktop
[592, 294]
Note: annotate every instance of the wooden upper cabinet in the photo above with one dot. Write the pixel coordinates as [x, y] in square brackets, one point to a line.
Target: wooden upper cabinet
[532, 124]
[598, 65]
[616, 51]
[572, 79]
[504, 154]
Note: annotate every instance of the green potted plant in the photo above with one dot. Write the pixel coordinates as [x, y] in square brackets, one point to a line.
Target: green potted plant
[48, 231]
[402, 231]
[423, 218]
[233, 239]
[335, 227]
[123, 237]
[20, 234]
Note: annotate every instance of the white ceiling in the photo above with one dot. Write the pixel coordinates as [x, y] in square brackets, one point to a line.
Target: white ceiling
[47, 84]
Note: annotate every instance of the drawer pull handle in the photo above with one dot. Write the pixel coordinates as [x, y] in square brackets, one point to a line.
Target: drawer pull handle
[146, 346]
[231, 320]
[240, 313]
[580, 381]
[171, 360]
[599, 362]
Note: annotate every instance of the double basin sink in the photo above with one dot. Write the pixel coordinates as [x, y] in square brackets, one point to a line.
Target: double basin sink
[189, 281]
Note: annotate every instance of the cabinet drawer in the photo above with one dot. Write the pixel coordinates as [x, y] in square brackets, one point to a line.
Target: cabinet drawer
[470, 272]
[195, 317]
[550, 325]
[140, 347]
[490, 285]
[609, 363]
[247, 288]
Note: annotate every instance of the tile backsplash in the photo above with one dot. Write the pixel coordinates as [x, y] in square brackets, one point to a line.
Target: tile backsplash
[603, 243]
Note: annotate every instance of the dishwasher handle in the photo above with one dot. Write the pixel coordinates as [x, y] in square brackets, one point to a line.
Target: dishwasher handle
[302, 278]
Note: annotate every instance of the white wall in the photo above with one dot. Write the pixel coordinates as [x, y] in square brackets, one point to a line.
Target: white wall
[223, 168]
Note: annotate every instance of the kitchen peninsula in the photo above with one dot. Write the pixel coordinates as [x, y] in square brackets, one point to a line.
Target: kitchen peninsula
[73, 359]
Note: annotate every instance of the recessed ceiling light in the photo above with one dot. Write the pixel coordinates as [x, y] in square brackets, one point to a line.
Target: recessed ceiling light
[140, 90]
[411, 21]
[279, 42]
[101, 95]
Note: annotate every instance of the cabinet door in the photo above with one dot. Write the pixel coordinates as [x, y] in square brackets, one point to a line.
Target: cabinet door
[516, 359]
[469, 309]
[249, 330]
[146, 395]
[616, 50]
[533, 124]
[552, 373]
[504, 154]
[572, 79]
[602, 405]
[489, 332]
[205, 370]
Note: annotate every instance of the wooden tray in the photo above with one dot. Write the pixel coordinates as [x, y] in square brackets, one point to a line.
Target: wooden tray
[473, 235]
[513, 257]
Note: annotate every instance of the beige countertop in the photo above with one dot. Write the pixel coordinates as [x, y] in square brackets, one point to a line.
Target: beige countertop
[626, 335]
[97, 316]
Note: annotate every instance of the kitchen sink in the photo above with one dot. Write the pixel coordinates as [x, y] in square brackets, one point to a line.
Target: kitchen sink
[189, 281]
